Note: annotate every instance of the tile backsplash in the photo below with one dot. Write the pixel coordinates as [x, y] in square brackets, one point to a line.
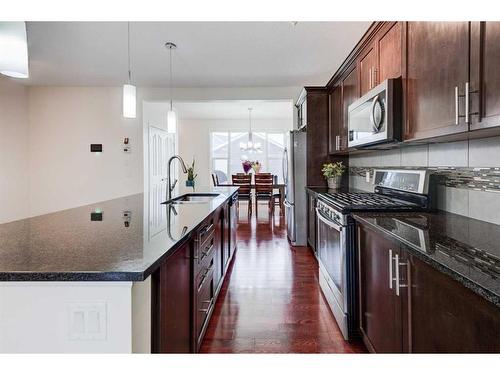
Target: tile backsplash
[468, 173]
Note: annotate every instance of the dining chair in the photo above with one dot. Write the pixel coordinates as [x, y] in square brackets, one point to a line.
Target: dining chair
[245, 189]
[215, 179]
[264, 191]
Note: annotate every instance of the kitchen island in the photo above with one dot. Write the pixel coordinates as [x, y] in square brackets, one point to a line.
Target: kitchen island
[109, 276]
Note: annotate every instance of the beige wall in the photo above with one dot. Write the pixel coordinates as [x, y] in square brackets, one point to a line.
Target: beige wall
[64, 121]
[45, 136]
[14, 176]
[194, 139]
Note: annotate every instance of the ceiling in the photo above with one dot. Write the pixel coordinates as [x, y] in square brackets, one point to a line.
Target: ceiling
[236, 109]
[209, 54]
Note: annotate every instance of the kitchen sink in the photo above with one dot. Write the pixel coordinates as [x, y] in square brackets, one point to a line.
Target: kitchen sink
[193, 198]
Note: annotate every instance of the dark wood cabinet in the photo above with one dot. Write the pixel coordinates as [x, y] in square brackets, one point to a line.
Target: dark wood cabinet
[407, 306]
[380, 307]
[367, 68]
[446, 317]
[337, 129]
[437, 69]
[311, 220]
[171, 303]
[389, 52]
[185, 287]
[350, 92]
[484, 75]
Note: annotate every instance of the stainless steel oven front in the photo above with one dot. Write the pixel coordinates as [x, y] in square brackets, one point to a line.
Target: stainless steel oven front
[331, 252]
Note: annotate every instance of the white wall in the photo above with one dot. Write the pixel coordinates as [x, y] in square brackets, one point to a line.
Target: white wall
[14, 176]
[194, 139]
[46, 132]
[64, 121]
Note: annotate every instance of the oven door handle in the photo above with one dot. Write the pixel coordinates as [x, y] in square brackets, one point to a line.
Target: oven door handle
[328, 221]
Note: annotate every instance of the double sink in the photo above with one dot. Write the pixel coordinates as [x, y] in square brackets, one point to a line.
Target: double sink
[193, 198]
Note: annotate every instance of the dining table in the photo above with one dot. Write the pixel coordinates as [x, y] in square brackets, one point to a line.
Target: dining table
[278, 186]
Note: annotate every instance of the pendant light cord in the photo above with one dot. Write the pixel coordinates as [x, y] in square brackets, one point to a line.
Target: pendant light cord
[128, 52]
[170, 80]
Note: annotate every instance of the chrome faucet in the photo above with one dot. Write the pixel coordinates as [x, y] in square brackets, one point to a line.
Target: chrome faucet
[170, 185]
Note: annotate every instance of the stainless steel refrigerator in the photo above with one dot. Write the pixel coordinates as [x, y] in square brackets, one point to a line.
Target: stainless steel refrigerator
[294, 175]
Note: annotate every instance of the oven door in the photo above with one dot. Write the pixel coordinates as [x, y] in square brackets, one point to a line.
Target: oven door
[331, 245]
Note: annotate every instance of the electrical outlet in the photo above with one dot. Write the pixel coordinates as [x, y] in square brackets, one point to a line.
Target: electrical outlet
[87, 321]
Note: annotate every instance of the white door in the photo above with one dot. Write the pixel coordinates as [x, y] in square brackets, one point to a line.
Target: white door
[161, 148]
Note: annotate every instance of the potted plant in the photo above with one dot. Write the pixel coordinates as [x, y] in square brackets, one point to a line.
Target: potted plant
[256, 166]
[333, 172]
[191, 175]
[247, 165]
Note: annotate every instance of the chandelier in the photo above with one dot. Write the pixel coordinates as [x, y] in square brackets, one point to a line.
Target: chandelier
[250, 145]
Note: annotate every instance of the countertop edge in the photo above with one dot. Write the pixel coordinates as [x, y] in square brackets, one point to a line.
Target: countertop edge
[466, 282]
[94, 276]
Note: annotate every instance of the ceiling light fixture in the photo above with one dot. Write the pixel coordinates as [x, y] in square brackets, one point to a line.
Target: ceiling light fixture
[14, 47]
[171, 115]
[250, 146]
[129, 90]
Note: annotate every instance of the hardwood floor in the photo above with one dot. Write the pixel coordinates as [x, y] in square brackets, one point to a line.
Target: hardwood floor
[271, 302]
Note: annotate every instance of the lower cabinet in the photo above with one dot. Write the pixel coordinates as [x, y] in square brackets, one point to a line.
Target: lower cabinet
[311, 221]
[186, 285]
[171, 303]
[407, 306]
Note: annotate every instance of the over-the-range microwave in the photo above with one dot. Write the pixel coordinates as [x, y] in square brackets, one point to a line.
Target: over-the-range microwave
[375, 119]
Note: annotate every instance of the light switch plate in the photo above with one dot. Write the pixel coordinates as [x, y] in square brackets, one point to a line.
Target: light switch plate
[87, 320]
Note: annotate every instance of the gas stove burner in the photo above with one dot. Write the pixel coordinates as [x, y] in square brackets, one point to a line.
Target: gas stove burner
[365, 201]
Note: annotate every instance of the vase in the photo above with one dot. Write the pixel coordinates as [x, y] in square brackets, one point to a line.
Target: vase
[334, 182]
[257, 168]
[189, 182]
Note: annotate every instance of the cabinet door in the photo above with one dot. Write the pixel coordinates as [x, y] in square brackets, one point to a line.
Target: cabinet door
[368, 69]
[311, 221]
[380, 307]
[218, 244]
[389, 45]
[350, 93]
[447, 317]
[172, 303]
[485, 75]
[337, 130]
[438, 63]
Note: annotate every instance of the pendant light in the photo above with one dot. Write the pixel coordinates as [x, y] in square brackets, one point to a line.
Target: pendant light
[250, 146]
[129, 90]
[171, 115]
[14, 47]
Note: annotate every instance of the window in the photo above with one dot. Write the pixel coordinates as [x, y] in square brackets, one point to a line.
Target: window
[227, 157]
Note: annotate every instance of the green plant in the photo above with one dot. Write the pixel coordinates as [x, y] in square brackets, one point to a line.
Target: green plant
[331, 170]
[191, 174]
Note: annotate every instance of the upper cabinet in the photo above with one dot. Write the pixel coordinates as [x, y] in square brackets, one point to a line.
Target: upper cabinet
[484, 91]
[450, 76]
[389, 47]
[437, 75]
[367, 67]
[340, 97]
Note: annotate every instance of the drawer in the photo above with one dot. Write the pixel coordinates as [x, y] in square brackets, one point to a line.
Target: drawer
[204, 253]
[205, 290]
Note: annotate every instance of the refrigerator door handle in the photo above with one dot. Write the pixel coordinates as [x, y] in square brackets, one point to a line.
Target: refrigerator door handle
[285, 166]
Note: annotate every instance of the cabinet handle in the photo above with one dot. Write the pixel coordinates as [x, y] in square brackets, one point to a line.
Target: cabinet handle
[466, 102]
[208, 308]
[337, 142]
[456, 105]
[374, 78]
[398, 284]
[370, 83]
[390, 269]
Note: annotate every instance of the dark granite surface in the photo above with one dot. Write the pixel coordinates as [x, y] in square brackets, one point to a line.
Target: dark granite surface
[466, 249]
[68, 246]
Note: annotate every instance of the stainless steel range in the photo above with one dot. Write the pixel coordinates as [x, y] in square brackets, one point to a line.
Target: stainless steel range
[395, 190]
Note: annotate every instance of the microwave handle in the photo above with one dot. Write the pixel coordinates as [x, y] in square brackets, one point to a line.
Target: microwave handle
[376, 127]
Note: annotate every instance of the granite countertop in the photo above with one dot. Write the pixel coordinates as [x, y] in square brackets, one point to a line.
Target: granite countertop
[128, 244]
[467, 250]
